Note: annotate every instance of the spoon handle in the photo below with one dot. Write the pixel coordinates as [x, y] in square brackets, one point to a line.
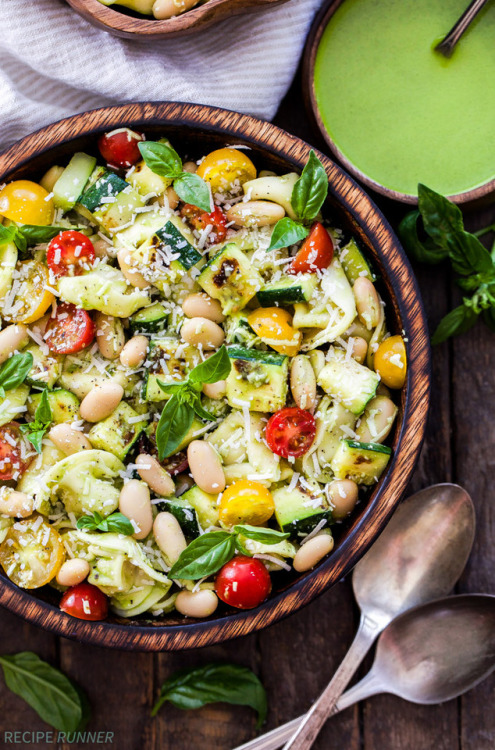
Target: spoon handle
[325, 705]
[446, 46]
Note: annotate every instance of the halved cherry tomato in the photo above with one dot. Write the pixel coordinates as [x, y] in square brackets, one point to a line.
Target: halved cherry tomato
[226, 169]
[273, 326]
[248, 502]
[120, 147]
[70, 331]
[13, 452]
[85, 602]
[316, 252]
[32, 553]
[70, 253]
[27, 203]
[390, 362]
[32, 295]
[244, 582]
[200, 220]
[290, 432]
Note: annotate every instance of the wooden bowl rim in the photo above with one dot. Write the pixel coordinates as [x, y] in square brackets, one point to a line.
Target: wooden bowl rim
[118, 22]
[316, 31]
[406, 299]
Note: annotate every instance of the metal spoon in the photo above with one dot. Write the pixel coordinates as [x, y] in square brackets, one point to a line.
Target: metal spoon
[446, 46]
[429, 654]
[419, 557]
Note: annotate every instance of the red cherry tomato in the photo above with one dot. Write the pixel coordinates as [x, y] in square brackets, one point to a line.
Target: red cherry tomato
[13, 452]
[70, 254]
[201, 219]
[244, 582]
[70, 331]
[290, 432]
[316, 252]
[85, 601]
[120, 147]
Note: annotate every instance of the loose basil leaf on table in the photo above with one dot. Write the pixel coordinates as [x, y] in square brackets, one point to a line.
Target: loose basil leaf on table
[286, 233]
[458, 320]
[54, 697]
[422, 251]
[116, 522]
[204, 556]
[214, 683]
[14, 371]
[261, 534]
[35, 430]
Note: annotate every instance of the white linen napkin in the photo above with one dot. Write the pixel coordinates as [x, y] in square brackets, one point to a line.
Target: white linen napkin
[53, 63]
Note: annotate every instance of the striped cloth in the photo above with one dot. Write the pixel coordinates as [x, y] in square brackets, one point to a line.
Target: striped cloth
[53, 64]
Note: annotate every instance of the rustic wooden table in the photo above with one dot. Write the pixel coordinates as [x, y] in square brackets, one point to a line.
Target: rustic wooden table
[296, 658]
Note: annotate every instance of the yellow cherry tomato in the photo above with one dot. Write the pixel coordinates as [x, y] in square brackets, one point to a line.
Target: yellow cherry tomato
[246, 502]
[32, 553]
[27, 203]
[274, 327]
[390, 362]
[31, 298]
[226, 169]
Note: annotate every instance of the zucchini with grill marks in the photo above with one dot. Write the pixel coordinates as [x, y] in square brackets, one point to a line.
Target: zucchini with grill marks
[347, 381]
[117, 433]
[287, 291]
[64, 405]
[110, 201]
[364, 463]
[299, 511]
[230, 278]
[149, 319]
[257, 379]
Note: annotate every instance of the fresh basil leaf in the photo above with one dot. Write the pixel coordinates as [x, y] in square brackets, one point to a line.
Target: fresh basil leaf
[287, 232]
[36, 430]
[175, 421]
[424, 252]
[214, 683]
[86, 523]
[192, 189]
[172, 388]
[199, 410]
[14, 370]
[47, 690]
[261, 534]
[161, 158]
[213, 369]
[35, 235]
[35, 437]
[310, 190]
[7, 234]
[43, 413]
[467, 254]
[441, 217]
[458, 320]
[489, 318]
[204, 556]
[115, 522]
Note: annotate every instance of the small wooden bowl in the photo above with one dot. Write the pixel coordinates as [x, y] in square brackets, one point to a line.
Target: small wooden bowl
[194, 130]
[470, 198]
[120, 22]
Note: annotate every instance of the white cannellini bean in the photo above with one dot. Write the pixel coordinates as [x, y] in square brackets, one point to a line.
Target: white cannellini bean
[169, 8]
[204, 332]
[202, 306]
[313, 551]
[12, 339]
[15, 504]
[215, 390]
[110, 335]
[169, 199]
[190, 166]
[169, 536]
[154, 475]
[68, 440]
[359, 348]
[132, 276]
[135, 503]
[101, 401]
[367, 302]
[73, 572]
[342, 495]
[303, 382]
[103, 249]
[196, 603]
[50, 178]
[377, 420]
[255, 214]
[205, 466]
[134, 352]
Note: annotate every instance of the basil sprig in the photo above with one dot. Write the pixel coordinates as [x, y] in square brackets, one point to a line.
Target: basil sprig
[209, 552]
[163, 160]
[115, 522]
[185, 401]
[14, 370]
[30, 234]
[308, 196]
[36, 429]
[214, 683]
[54, 697]
[446, 238]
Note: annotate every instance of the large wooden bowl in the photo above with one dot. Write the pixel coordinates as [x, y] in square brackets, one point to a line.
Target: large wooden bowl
[120, 22]
[194, 130]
